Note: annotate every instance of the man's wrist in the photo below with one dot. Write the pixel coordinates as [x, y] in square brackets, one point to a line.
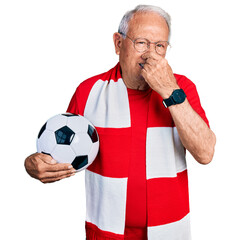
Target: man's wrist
[168, 92]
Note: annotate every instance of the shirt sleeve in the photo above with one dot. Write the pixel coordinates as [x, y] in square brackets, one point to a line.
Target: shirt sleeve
[192, 95]
[74, 106]
[79, 98]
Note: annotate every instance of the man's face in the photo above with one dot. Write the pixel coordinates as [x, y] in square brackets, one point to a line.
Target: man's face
[143, 25]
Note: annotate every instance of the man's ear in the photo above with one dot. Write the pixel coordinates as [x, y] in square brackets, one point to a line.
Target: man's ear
[117, 40]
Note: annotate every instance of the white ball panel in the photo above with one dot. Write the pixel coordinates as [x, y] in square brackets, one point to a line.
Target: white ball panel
[81, 144]
[46, 142]
[56, 122]
[93, 152]
[63, 154]
[77, 124]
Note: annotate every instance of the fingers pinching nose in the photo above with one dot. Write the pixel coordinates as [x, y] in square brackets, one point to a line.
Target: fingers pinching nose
[144, 57]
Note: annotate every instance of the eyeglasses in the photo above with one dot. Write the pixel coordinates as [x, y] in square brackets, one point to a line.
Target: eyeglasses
[143, 44]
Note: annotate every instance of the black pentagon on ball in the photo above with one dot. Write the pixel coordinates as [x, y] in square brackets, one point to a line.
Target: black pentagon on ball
[80, 161]
[69, 115]
[64, 135]
[42, 130]
[92, 134]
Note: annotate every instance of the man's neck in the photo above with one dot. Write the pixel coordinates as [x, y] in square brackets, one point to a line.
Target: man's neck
[138, 85]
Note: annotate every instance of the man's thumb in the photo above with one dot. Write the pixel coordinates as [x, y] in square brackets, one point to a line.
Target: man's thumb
[48, 158]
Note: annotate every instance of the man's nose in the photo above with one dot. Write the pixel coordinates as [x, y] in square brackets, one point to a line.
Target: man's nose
[151, 47]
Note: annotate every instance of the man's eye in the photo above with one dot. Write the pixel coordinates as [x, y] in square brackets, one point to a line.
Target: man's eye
[141, 43]
[159, 45]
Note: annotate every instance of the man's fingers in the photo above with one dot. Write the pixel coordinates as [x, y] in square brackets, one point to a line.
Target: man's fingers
[49, 176]
[42, 167]
[52, 165]
[150, 62]
[47, 158]
[151, 55]
[58, 174]
[54, 178]
[58, 167]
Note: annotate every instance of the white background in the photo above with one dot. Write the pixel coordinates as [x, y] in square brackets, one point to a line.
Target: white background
[48, 47]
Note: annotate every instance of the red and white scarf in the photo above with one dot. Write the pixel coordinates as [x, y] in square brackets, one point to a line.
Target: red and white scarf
[103, 100]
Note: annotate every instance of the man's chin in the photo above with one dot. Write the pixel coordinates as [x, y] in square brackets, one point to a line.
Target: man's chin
[141, 78]
[142, 82]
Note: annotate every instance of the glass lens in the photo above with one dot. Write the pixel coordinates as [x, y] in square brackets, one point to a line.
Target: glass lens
[161, 47]
[141, 45]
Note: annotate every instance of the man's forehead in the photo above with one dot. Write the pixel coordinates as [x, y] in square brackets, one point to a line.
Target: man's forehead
[142, 22]
[147, 17]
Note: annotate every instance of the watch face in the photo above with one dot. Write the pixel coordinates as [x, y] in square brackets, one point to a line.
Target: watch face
[178, 96]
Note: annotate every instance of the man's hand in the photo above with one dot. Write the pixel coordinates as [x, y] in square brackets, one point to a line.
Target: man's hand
[158, 74]
[44, 168]
[194, 133]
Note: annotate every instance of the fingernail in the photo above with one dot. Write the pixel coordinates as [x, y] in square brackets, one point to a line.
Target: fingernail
[70, 166]
[53, 161]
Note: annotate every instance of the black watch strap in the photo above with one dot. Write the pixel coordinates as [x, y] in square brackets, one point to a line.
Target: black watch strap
[168, 102]
[178, 96]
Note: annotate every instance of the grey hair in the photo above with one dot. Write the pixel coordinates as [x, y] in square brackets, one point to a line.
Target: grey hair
[123, 26]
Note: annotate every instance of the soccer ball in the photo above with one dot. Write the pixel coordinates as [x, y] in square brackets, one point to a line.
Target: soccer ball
[69, 138]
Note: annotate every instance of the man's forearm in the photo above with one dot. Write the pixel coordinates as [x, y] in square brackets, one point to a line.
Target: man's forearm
[194, 133]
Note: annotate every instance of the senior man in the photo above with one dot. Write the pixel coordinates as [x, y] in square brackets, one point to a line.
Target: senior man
[146, 116]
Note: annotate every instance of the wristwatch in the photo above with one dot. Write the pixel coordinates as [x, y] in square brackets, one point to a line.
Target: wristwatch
[178, 96]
